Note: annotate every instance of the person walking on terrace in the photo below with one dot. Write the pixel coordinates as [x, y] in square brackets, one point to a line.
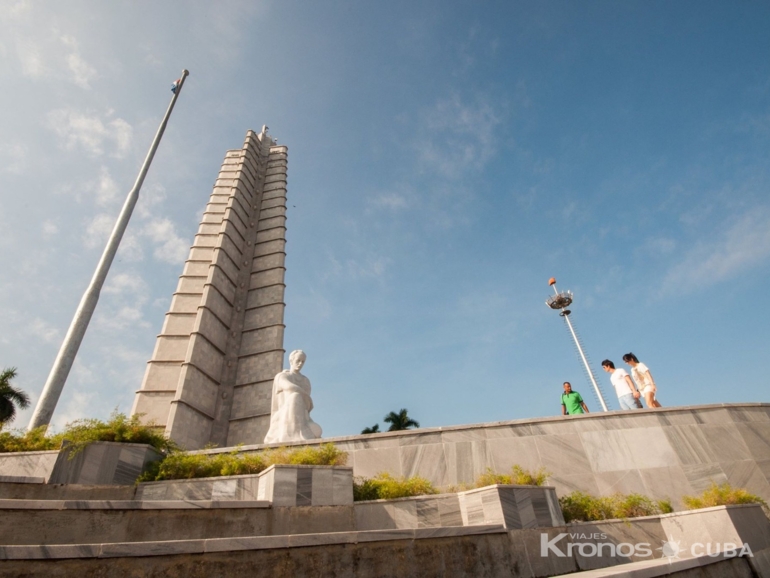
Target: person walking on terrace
[625, 388]
[643, 378]
[571, 401]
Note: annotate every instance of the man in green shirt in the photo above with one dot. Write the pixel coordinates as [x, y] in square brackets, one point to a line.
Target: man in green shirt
[571, 402]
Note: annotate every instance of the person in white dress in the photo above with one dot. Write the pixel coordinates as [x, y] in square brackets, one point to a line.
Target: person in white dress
[643, 378]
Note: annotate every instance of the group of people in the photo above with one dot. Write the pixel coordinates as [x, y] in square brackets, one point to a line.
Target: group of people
[628, 390]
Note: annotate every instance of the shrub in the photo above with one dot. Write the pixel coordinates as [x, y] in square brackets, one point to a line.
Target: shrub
[183, 465]
[323, 455]
[581, 507]
[385, 487]
[522, 477]
[518, 476]
[80, 433]
[119, 428]
[722, 495]
[31, 441]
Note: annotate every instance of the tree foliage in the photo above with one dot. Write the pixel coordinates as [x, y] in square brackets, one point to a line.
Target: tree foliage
[370, 430]
[11, 398]
[400, 421]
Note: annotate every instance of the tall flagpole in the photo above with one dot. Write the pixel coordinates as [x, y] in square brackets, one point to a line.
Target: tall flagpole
[69, 348]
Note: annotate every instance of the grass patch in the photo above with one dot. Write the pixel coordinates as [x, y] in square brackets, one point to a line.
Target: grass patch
[183, 466]
[722, 495]
[581, 507]
[385, 487]
[80, 433]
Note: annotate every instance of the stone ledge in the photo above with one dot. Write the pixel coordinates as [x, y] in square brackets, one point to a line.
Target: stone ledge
[595, 416]
[657, 567]
[131, 504]
[171, 547]
[280, 485]
[22, 480]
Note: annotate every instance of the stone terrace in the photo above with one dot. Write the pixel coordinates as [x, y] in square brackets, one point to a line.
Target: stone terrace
[662, 453]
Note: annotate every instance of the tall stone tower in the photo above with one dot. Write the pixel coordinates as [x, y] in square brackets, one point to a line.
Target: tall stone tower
[210, 377]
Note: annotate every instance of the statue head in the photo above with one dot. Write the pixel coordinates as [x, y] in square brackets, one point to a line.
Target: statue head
[297, 359]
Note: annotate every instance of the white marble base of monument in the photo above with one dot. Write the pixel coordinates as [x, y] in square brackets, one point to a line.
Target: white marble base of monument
[281, 485]
[306, 485]
[513, 507]
[103, 463]
[32, 465]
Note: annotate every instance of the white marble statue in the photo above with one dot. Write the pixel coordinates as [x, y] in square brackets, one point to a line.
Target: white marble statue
[290, 412]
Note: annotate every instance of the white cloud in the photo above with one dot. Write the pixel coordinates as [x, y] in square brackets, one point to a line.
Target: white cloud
[98, 230]
[91, 133]
[368, 267]
[31, 59]
[128, 293]
[49, 229]
[171, 248]
[11, 9]
[122, 133]
[457, 137]
[371, 267]
[149, 198]
[104, 188]
[130, 247]
[82, 72]
[43, 331]
[77, 400]
[17, 157]
[744, 244]
[43, 52]
[660, 245]
[122, 318]
[127, 283]
[392, 201]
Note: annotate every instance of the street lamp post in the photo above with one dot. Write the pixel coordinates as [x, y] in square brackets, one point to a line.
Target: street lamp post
[562, 301]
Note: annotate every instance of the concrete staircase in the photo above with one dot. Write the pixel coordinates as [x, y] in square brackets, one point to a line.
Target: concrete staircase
[91, 530]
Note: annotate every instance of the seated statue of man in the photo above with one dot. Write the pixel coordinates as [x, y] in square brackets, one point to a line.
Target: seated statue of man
[290, 418]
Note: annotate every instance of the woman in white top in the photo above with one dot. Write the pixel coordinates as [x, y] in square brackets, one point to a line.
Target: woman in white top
[643, 378]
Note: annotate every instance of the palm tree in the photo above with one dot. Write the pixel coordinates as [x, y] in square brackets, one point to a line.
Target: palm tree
[370, 430]
[10, 397]
[399, 421]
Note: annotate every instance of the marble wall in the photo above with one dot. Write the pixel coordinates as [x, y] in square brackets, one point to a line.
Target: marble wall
[214, 541]
[103, 463]
[27, 466]
[662, 453]
[281, 485]
[512, 507]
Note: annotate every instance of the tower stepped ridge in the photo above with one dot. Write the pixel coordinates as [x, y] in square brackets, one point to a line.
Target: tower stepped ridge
[209, 380]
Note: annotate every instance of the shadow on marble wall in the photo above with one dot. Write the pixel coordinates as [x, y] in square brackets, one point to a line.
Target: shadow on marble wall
[103, 463]
[27, 465]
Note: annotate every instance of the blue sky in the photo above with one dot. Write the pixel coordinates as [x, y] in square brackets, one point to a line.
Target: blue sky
[445, 160]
